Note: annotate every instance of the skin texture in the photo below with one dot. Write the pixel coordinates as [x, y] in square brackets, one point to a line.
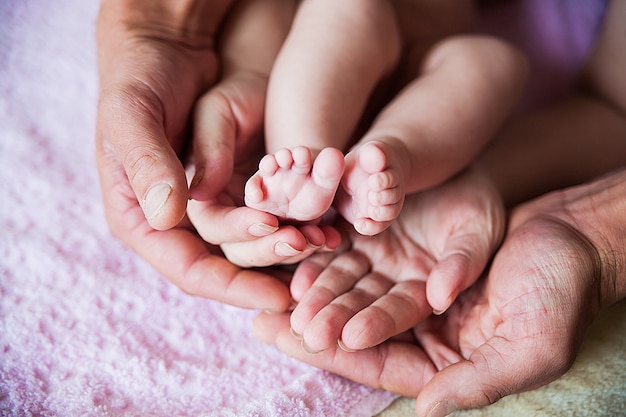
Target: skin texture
[143, 126]
[489, 334]
[424, 135]
[561, 261]
[517, 328]
[437, 248]
[229, 121]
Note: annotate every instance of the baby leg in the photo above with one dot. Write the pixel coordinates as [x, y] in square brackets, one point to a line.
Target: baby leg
[292, 185]
[429, 131]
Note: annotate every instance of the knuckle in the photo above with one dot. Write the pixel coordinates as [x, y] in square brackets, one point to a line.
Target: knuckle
[139, 161]
[135, 98]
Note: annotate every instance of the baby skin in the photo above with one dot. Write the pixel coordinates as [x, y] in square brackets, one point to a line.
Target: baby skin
[366, 186]
[422, 137]
[437, 247]
[294, 185]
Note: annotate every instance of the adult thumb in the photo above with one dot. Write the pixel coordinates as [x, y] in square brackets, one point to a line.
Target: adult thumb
[131, 138]
[494, 370]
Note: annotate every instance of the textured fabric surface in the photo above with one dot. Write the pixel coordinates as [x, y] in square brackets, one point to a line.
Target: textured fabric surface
[595, 385]
[86, 327]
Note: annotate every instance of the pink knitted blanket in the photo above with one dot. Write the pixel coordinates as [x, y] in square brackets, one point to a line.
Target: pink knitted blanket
[86, 327]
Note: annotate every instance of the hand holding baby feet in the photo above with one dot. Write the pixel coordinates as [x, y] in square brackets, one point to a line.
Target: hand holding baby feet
[372, 189]
[293, 185]
[437, 248]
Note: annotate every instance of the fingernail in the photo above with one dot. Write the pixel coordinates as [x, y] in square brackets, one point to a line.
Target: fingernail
[344, 347]
[308, 350]
[442, 409]
[197, 177]
[440, 312]
[261, 229]
[312, 245]
[295, 334]
[155, 199]
[285, 249]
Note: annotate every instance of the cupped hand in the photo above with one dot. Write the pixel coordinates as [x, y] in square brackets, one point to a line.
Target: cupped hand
[155, 60]
[561, 262]
[146, 102]
[386, 284]
[518, 328]
[228, 143]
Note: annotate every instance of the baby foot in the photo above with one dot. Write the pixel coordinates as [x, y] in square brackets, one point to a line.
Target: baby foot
[372, 189]
[290, 185]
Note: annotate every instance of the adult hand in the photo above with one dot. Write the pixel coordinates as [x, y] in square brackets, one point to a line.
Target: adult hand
[442, 242]
[229, 125]
[156, 58]
[563, 260]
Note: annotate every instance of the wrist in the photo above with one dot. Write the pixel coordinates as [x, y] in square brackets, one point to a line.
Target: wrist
[184, 24]
[598, 210]
[183, 18]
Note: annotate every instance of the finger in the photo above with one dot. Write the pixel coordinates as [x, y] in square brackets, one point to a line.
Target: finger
[325, 238]
[325, 329]
[462, 261]
[218, 223]
[130, 134]
[459, 267]
[337, 278]
[285, 246]
[307, 272]
[227, 116]
[401, 308]
[267, 326]
[397, 367]
[186, 260]
[332, 238]
[497, 368]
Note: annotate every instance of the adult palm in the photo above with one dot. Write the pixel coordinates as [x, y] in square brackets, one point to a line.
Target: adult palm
[159, 65]
[385, 284]
[517, 328]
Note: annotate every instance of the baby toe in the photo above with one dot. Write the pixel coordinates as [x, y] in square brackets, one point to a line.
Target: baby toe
[301, 160]
[384, 213]
[372, 158]
[386, 197]
[253, 192]
[268, 165]
[369, 227]
[284, 158]
[383, 180]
